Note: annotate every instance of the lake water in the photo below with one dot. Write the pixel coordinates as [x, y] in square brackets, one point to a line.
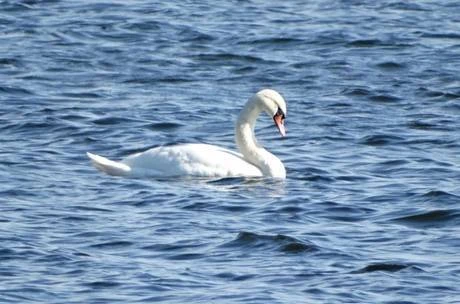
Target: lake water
[370, 209]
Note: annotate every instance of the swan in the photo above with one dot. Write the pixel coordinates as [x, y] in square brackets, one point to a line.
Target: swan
[204, 160]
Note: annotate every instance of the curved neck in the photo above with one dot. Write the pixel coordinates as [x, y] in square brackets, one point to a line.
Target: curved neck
[247, 144]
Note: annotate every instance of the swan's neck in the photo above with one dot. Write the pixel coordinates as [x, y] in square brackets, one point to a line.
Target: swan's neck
[247, 144]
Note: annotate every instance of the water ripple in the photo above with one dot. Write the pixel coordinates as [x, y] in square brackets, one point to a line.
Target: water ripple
[388, 267]
[369, 211]
[279, 242]
[433, 218]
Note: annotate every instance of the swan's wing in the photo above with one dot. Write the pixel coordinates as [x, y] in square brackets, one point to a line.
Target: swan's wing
[190, 159]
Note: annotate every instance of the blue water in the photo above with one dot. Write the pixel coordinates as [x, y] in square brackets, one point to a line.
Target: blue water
[370, 210]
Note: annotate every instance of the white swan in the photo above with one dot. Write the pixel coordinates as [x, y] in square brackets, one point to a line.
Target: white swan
[203, 160]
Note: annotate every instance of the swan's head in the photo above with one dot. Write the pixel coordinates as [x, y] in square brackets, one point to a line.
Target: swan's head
[275, 106]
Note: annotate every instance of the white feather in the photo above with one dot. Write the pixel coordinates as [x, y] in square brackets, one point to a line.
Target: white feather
[203, 160]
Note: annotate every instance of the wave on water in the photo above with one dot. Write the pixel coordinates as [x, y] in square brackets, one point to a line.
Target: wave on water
[432, 219]
[385, 267]
[369, 211]
[250, 241]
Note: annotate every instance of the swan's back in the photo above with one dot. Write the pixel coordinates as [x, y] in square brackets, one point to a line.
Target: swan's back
[190, 159]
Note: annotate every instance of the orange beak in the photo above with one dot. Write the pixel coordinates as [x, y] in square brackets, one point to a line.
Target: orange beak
[279, 122]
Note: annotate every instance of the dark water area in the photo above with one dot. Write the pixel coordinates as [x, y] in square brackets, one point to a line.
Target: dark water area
[370, 209]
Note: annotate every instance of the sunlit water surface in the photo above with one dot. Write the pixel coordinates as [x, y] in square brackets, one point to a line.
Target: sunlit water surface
[370, 210]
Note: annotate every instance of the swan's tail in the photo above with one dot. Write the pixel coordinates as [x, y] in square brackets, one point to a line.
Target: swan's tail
[108, 166]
